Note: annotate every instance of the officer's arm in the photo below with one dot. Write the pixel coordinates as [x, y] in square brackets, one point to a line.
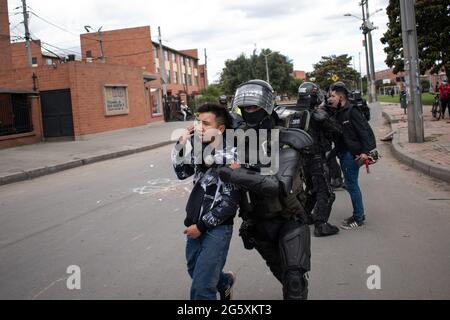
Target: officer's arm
[251, 180]
[289, 169]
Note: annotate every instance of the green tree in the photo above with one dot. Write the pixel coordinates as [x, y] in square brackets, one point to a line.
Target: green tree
[245, 68]
[433, 36]
[293, 86]
[339, 66]
[210, 94]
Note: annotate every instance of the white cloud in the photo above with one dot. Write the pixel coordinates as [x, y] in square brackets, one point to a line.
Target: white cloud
[303, 30]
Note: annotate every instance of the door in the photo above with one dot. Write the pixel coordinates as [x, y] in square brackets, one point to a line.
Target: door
[57, 115]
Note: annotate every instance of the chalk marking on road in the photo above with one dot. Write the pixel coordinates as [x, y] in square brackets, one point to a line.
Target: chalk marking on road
[158, 186]
[137, 238]
[48, 287]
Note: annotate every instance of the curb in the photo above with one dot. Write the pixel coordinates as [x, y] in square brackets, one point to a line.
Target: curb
[424, 166]
[39, 172]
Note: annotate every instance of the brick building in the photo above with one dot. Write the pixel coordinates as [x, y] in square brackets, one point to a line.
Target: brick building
[396, 81]
[115, 86]
[134, 46]
[39, 57]
[297, 74]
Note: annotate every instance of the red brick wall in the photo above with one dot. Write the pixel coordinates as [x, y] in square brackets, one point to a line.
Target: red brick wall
[300, 75]
[19, 54]
[48, 78]
[190, 52]
[88, 102]
[86, 82]
[5, 54]
[131, 46]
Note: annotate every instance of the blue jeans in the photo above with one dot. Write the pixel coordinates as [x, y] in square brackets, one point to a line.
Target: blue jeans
[350, 169]
[206, 257]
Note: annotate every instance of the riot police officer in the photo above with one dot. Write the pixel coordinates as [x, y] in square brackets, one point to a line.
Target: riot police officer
[223, 101]
[319, 194]
[274, 221]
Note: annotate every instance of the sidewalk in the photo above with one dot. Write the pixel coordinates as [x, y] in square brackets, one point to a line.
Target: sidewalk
[431, 157]
[32, 161]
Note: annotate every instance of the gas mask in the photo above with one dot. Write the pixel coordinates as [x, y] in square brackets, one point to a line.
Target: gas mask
[254, 119]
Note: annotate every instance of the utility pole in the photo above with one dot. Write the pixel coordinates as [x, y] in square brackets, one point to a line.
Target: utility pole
[206, 69]
[162, 70]
[267, 70]
[267, 66]
[360, 74]
[100, 40]
[412, 72]
[369, 81]
[27, 33]
[372, 62]
[162, 67]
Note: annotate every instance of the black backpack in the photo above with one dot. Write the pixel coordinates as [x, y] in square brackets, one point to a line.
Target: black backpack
[348, 112]
[362, 106]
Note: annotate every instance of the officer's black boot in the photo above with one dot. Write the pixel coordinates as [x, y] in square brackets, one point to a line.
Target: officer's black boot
[325, 229]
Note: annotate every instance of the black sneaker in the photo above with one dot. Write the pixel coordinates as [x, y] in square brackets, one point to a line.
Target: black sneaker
[227, 294]
[352, 224]
[325, 229]
[337, 183]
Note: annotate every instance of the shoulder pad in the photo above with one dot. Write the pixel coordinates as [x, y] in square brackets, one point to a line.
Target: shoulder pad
[296, 138]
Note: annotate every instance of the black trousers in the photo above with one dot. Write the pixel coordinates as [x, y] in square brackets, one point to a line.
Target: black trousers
[319, 194]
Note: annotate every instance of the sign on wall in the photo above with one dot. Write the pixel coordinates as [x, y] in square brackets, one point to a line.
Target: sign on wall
[116, 100]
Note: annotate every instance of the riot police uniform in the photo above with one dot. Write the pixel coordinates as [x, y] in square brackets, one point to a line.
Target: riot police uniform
[319, 194]
[274, 221]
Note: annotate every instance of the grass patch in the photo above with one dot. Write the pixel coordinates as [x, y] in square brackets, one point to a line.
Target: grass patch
[427, 99]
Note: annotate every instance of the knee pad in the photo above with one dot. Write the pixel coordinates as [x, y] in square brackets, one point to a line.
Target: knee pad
[295, 252]
[295, 286]
[295, 246]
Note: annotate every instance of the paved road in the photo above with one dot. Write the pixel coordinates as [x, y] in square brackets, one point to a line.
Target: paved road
[121, 222]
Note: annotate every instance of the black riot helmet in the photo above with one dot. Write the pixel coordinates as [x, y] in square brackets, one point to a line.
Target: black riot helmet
[257, 93]
[309, 95]
[223, 100]
[340, 86]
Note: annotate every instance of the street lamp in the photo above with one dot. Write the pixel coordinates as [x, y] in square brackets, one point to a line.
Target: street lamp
[267, 65]
[366, 28]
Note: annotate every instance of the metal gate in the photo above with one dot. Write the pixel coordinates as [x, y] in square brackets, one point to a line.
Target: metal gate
[57, 115]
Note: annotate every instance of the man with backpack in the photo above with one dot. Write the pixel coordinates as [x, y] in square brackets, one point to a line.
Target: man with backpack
[353, 147]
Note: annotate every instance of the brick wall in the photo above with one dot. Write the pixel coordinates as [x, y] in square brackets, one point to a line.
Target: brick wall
[86, 82]
[5, 54]
[131, 46]
[299, 75]
[19, 54]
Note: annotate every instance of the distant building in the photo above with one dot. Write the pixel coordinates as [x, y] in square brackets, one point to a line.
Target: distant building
[299, 75]
[396, 80]
[116, 85]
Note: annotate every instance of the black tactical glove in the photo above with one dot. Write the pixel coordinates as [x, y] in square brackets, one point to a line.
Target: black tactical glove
[225, 174]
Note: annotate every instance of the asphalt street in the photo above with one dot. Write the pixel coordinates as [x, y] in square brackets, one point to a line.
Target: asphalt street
[121, 223]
